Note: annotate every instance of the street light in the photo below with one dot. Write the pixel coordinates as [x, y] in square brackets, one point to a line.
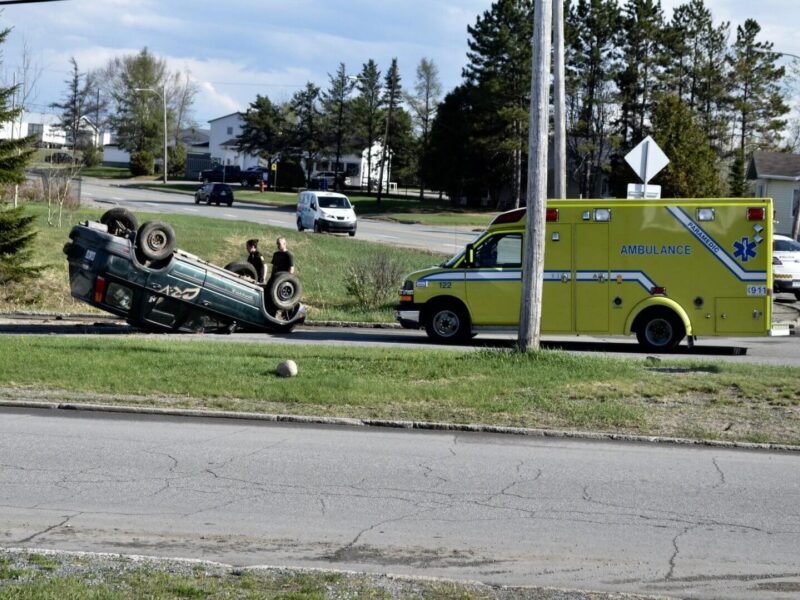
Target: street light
[163, 94]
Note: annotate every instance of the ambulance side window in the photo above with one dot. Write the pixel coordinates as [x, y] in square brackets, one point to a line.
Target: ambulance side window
[500, 251]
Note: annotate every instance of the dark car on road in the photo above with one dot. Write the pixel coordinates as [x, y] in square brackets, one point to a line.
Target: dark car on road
[217, 193]
[138, 274]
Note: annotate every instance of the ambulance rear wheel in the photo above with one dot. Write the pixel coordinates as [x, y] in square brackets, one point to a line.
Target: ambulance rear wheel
[660, 330]
[447, 324]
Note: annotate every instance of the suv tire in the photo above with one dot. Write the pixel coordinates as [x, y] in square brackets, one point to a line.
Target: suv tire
[285, 291]
[245, 270]
[156, 240]
[120, 221]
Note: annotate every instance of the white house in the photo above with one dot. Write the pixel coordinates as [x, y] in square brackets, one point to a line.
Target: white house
[222, 142]
[776, 175]
[356, 168]
[43, 126]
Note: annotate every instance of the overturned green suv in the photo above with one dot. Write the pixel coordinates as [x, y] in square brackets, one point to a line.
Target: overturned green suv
[138, 274]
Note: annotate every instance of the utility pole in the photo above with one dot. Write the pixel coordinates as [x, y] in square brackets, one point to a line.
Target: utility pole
[559, 119]
[533, 259]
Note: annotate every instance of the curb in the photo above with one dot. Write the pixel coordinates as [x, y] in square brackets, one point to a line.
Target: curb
[393, 424]
[104, 318]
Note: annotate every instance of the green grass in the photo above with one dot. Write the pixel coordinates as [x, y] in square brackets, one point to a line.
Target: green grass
[106, 172]
[548, 389]
[322, 262]
[428, 212]
[120, 578]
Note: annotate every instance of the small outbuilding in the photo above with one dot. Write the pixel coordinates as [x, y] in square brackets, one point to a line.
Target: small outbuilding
[776, 175]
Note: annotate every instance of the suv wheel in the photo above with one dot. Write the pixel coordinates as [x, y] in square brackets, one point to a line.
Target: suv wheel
[120, 221]
[285, 291]
[156, 240]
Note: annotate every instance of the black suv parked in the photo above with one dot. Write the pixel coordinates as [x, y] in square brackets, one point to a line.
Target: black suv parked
[218, 193]
[139, 275]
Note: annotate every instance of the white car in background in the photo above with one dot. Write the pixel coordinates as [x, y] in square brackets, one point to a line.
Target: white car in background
[786, 265]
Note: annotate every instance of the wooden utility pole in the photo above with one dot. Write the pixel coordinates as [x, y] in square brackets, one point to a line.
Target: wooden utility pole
[533, 259]
[559, 119]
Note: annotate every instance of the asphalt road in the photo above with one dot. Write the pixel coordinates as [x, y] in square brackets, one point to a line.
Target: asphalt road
[445, 240]
[758, 350]
[688, 522]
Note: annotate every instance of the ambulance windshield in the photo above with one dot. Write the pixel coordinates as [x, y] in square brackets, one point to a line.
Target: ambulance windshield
[450, 263]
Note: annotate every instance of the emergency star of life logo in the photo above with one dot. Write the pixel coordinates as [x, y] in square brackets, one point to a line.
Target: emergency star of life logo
[744, 249]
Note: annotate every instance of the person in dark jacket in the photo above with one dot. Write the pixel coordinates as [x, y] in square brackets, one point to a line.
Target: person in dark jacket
[282, 260]
[255, 258]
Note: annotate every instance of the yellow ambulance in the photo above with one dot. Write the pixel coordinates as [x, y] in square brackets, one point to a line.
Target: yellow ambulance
[661, 269]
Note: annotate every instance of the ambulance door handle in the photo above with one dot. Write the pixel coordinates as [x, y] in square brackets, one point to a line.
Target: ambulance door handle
[565, 278]
[724, 316]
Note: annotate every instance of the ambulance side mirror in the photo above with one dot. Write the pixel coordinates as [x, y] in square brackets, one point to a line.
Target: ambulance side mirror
[470, 261]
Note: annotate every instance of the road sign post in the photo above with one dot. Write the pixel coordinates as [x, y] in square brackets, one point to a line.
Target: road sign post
[646, 160]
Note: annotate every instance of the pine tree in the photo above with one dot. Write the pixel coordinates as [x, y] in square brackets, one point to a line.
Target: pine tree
[757, 98]
[336, 109]
[499, 74]
[16, 228]
[367, 111]
[264, 128]
[592, 60]
[392, 97]
[307, 132]
[76, 105]
[641, 39]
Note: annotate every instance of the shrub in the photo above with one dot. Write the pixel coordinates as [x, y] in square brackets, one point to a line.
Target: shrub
[374, 281]
[142, 163]
[91, 156]
[176, 156]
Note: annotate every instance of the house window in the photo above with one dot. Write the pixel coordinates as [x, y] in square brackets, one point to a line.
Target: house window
[760, 190]
[230, 130]
[795, 203]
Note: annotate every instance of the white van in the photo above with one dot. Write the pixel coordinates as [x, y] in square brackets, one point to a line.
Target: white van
[325, 211]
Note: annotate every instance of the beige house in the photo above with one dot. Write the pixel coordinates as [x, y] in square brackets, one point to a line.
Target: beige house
[776, 175]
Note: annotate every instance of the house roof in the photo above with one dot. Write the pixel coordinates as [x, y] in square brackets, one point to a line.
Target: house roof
[774, 165]
[226, 116]
[231, 143]
[194, 137]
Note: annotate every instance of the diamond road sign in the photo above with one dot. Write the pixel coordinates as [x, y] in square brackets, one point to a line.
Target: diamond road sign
[647, 159]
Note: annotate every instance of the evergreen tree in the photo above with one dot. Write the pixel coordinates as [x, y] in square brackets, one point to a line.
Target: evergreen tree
[392, 97]
[757, 98]
[454, 163]
[693, 170]
[76, 106]
[737, 184]
[423, 103]
[499, 73]
[713, 102]
[592, 60]
[336, 109]
[16, 229]
[307, 132]
[641, 40]
[264, 129]
[367, 112]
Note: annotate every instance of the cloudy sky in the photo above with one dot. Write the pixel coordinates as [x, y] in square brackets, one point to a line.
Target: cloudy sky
[238, 48]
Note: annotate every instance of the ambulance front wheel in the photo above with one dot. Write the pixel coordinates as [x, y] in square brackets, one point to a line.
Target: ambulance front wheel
[447, 323]
[659, 330]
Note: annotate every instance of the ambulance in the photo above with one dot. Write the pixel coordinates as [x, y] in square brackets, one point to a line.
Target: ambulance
[662, 269]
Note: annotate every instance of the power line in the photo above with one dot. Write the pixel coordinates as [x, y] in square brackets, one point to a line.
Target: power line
[3, 2]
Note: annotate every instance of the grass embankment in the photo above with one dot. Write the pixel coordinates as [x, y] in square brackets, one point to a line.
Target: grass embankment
[322, 261]
[411, 210]
[549, 389]
[59, 576]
